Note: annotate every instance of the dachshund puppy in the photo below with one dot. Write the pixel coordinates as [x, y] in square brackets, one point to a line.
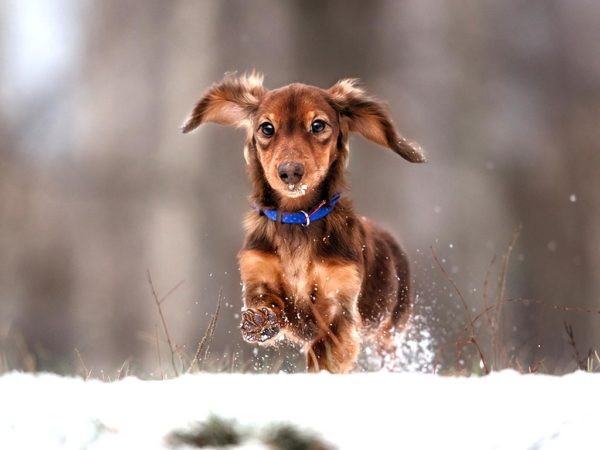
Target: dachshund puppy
[313, 272]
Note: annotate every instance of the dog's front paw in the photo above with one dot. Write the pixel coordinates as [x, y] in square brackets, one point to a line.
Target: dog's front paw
[260, 325]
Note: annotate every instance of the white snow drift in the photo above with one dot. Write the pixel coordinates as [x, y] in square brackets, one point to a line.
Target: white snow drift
[360, 411]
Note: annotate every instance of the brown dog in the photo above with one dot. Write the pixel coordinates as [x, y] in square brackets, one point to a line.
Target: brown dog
[312, 270]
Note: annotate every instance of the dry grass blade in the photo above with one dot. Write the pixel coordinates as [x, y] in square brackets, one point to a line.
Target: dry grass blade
[158, 303]
[124, 369]
[87, 373]
[204, 343]
[212, 325]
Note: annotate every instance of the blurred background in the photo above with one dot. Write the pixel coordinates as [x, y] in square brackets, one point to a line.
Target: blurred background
[98, 186]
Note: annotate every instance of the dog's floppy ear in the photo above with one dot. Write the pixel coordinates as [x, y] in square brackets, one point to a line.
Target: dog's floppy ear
[371, 119]
[229, 102]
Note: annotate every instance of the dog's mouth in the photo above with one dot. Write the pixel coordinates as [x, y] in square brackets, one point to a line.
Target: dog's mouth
[296, 190]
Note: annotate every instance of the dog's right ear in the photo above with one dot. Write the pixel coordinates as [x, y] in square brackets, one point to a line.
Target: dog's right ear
[371, 119]
[229, 102]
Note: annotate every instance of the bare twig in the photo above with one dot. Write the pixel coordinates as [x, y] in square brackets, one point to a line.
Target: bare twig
[158, 303]
[500, 294]
[472, 339]
[204, 343]
[562, 308]
[162, 373]
[173, 289]
[483, 312]
[451, 281]
[581, 361]
[482, 357]
[485, 291]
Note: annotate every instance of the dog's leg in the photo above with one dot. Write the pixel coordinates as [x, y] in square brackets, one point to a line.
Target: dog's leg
[336, 313]
[263, 313]
[336, 349]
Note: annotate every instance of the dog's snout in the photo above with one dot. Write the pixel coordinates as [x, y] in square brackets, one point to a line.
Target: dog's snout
[291, 172]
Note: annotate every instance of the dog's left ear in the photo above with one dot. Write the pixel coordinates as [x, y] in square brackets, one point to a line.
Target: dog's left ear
[229, 102]
[371, 119]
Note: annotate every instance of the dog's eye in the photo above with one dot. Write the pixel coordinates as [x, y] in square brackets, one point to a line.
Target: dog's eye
[267, 129]
[317, 126]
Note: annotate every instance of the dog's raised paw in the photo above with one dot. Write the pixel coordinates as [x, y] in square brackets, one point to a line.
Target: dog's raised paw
[259, 325]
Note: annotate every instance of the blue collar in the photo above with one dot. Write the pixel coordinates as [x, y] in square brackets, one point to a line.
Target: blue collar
[302, 217]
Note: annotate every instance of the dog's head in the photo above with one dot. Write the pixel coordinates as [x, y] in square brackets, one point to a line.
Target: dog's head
[297, 132]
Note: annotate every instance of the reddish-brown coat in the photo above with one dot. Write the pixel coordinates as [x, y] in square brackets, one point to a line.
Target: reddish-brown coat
[341, 279]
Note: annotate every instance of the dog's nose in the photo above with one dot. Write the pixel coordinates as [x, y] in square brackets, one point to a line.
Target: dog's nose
[291, 172]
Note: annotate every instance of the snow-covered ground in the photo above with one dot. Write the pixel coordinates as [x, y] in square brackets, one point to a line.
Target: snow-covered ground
[359, 411]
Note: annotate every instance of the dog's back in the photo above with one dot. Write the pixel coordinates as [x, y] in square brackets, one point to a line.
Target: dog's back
[385, 301]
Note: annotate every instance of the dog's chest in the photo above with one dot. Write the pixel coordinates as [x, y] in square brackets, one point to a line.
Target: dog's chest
[308, 278]
[298, 269]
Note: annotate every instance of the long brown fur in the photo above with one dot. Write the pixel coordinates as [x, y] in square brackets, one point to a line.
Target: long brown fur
[342, 279]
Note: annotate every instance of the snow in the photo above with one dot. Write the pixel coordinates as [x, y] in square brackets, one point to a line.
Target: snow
[504, 410]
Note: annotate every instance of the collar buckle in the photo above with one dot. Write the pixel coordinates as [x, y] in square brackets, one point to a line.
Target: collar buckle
[307, 216]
